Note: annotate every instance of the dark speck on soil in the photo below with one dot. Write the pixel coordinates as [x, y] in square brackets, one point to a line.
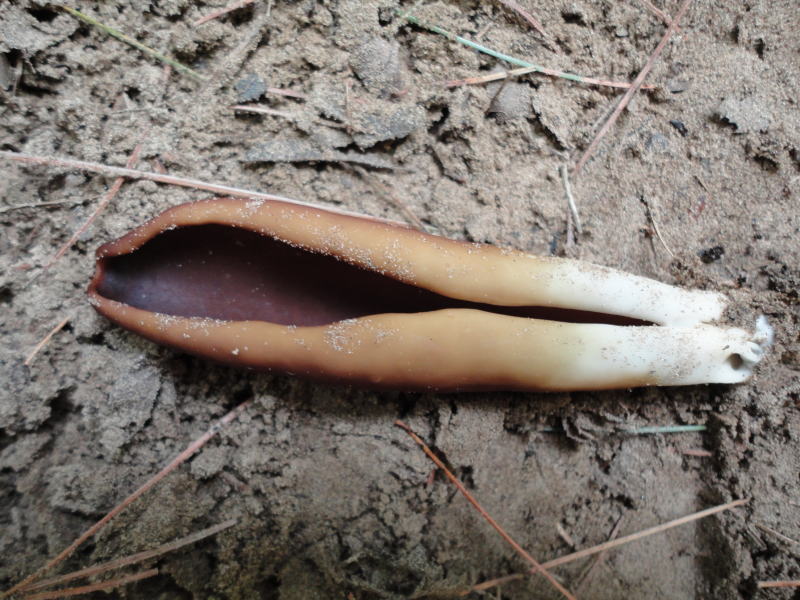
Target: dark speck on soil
[710, 255]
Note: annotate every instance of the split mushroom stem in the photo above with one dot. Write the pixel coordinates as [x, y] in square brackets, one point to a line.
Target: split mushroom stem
[279, 286]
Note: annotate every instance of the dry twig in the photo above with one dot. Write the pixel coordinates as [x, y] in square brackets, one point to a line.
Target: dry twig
[573, 208]
[777, 534]
[537, 568]
[12, 207]
[658, 12]
[44, 341]
[264, 110]
[779, 584]
[698, 452]
[544, 71]
[565, 536]
[532, 21]
[651, 216]
[222, 11]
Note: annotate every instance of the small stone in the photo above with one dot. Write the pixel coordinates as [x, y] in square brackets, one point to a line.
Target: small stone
[748, 114]
[676, 86]
[657, 143]
[791, 358]
[513, 101]
[710, 255]
[250, 87]
[395, 123]
[680, 127]
[210, 462]
[378, 64]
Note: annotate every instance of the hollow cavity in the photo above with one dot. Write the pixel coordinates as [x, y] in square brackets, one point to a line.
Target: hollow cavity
[232, 274]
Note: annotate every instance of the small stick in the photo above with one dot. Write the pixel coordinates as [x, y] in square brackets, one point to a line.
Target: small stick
[95, 587]
[658, 12]
[44, 341]
[779, 584]
[174, 464]
[532, 21]
[777, 534]
[537, 568]
[263, 110]
[484, 31]
[132, 42]
[222, 11]
[348, 117]
[171, 180]
[626, 98]
[6, 209]
[665, 429]
[651, 216]
[104, 201]
[598, 559]
[510, 59]
[570, 231]
[545, 71]
[573, 209]
[697, 452]
[564, 535]
[133, 558]
[610, 544]
[286, 92]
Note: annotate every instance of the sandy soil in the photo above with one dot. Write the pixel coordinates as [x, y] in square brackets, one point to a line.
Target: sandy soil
[330, 498]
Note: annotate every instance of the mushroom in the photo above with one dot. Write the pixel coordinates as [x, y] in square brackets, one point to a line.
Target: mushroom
[274, 285]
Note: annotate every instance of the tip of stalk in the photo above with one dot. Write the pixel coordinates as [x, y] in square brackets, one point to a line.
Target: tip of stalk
[765, 334]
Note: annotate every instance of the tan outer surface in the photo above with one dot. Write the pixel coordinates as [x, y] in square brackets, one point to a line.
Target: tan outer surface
[449, 350]
[474, 272]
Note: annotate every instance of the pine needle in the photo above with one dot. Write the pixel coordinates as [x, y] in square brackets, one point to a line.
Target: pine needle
[95, 587]
[528, 67]
[180, 67]
[610, 544]
[665, 429]
[104, 201]
[82, 165]
[481, 79]
[626, 98]
[537, 568]
[222, 11]
[45, 340]
[133, 558]
[149, 484]
[779, 584]
[532, 21]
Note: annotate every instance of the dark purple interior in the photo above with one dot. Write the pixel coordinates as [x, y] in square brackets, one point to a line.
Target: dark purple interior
[233, 274]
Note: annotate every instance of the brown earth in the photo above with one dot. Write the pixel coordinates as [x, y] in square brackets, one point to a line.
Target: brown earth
[330, 498]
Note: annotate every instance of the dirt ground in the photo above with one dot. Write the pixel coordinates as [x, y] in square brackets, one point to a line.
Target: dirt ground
[331, 500]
